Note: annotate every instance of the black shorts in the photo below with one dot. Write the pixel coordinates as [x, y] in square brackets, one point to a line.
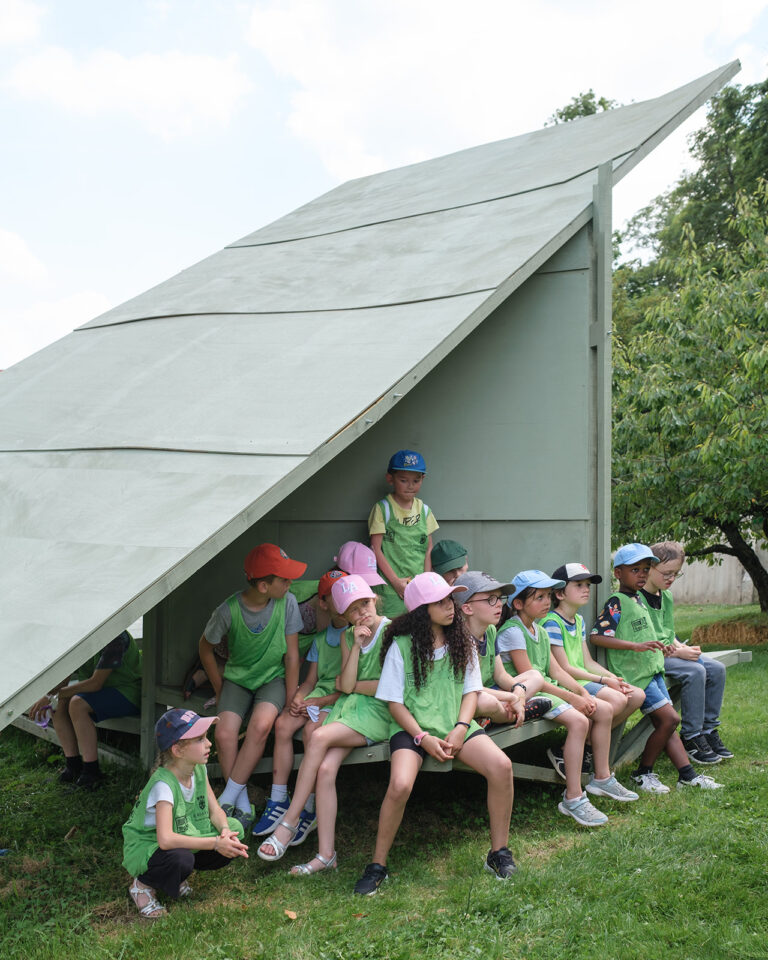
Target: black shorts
[404, 741]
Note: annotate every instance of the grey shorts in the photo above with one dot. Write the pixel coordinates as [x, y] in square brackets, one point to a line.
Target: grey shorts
[241, 701]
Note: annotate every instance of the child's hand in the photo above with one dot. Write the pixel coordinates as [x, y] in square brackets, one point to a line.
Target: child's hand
[362, 634]
[228, 845]
[456, 739]
[439, 749]
[649, 645]
[400, 583]
[39, 707]
[624, 687]
[614, 683]
[586, 705]
[298, 706]
[515, 711]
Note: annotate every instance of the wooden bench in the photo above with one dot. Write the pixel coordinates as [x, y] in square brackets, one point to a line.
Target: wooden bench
[625, 746]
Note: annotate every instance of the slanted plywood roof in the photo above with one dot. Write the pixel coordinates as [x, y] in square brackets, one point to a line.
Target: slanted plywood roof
[129, 452]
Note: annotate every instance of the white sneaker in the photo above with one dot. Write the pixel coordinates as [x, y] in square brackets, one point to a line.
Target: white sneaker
[610, 788]
[706, 783]
[650, 783]
[582, 811]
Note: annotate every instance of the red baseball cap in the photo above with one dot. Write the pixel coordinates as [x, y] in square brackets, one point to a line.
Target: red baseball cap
[268, 560]
[327, 581]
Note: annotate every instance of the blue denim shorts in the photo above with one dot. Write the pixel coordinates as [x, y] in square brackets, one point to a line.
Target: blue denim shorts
[656, 695]
[593, 687]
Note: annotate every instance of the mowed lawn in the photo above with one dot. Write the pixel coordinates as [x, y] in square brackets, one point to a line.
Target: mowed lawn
[679, 876]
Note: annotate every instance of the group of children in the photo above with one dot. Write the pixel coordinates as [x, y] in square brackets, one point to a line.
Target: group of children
[452, 651]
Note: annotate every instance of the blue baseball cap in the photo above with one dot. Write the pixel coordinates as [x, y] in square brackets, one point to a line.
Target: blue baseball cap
[536, 579]
[180, 724]
[631, 553]
[407, 460]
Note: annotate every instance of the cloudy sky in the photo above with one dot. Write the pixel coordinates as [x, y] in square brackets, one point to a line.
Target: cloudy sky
[140, 136]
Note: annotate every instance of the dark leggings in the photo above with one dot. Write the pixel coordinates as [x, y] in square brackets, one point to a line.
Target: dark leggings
[168, 869]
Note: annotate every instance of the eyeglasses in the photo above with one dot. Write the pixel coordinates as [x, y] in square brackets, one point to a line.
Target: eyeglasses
[492, 601]
[670, 576]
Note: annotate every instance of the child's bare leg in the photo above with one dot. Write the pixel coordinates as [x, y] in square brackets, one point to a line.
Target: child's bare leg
[665, 721]
[81, 717]
[600, 730]
[327, 805]
[532, 680]
[489, 706]
[325, 737]
[62, 724]
[405, 765]
[676, 751]
[482, 754]
[262, 720]
[282, 760]
[227, 730]
[577, 726]
[623, 705]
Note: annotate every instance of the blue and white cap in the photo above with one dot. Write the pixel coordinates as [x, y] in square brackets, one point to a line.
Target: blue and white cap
[536, 579]
[407, 460]
[632, 553]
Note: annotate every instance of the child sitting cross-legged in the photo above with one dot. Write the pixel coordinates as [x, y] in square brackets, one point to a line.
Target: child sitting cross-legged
[502, 697]
[177, 825]
[524, 644]
[634, 651]
[568, 641]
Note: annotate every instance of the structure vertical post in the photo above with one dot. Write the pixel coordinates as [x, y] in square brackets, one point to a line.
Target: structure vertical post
[150, 650]
[600, 343]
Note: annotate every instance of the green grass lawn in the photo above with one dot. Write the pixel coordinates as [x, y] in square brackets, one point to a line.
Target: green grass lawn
[678, 876]
[688, 616]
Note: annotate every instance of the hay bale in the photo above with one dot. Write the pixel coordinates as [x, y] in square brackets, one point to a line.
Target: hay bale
[730, 633]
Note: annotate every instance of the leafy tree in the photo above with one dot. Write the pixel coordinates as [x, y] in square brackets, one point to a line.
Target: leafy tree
[584, 105]
[691, 400]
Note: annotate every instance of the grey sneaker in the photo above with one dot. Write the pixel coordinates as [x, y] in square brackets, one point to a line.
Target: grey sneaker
[582, 811]
[706, 783]
[501, 863]
[650, 783]
[610, 788]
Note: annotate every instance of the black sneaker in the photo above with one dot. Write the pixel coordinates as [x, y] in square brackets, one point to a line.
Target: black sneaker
[501, 863]
[372, 878]
[557, 760]
[717, 746]
[536, 707]
[90, 781]
[699, 750]
[68, 775]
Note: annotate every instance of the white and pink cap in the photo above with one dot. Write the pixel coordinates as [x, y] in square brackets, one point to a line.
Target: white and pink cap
[355, 557]
[427, 588]
[348, 589]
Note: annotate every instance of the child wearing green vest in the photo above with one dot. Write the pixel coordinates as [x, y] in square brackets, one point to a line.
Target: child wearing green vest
[177, 825]
[634, 651]
[313, 700]
[108, 686]
[430, 679]
[261, 625]
[449, 558]
[523, 644]
[401, 528]
[502, 697]
[357, 719]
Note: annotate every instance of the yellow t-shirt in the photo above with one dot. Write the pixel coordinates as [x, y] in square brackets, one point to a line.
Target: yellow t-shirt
[408, 518]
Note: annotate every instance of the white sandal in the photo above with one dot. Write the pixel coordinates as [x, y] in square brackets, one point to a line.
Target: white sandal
[306, 869]
[277, 845]
[148, 911]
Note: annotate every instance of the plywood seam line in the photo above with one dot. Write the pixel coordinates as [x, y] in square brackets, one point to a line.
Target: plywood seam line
[284, 313]
[133, 446]
[425, 213]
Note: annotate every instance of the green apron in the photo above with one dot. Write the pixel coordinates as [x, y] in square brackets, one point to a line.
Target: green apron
[364, 714]
[405, 549]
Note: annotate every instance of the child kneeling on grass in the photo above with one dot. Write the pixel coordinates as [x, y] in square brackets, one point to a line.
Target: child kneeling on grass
[430, 679]
[177, 825]
[635, 652]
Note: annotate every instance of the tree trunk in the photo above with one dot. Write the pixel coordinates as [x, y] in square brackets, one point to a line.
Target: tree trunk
[745, 554]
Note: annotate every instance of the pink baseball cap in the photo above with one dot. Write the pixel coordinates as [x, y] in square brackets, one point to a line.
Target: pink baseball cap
[427, 588]
[356, 558]
[348, 589]
[180, 724]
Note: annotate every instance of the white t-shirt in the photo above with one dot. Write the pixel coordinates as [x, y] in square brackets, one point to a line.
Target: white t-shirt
[511, 638]
[392, 681]
[161, 791]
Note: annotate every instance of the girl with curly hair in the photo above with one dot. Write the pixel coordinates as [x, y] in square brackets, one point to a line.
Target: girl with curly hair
[430, 679]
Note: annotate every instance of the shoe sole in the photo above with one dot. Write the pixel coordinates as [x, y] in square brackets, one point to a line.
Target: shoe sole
[498, 876]
[569, 813]
[681, 785]
[599, 792]
[705, 760]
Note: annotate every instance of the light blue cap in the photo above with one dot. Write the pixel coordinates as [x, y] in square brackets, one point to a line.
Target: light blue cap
[631, 553]
[533, 578]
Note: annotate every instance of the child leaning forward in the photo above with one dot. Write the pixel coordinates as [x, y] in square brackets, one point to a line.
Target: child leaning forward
[430, 679]
[177, 825]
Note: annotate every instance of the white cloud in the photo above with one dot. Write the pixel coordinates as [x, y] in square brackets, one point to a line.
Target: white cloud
[391, 81]
[19, 22]
[30, 327]
[172, 94]
[17, 262]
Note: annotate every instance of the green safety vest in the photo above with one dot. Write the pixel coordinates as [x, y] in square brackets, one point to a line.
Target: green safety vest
[488, 659]
[663, 620]
[366, 715]
[190, 818]
[328, 665]
[435, 707]
[537, 649]
[255, 658]
[405, 549]
[571, 642]
[637, 667]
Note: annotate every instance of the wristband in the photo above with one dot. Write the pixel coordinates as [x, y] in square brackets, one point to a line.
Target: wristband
[419, 737]
[518, 685]
[461, 723]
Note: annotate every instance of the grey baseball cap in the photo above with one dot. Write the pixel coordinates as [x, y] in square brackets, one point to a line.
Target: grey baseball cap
[478, 582]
